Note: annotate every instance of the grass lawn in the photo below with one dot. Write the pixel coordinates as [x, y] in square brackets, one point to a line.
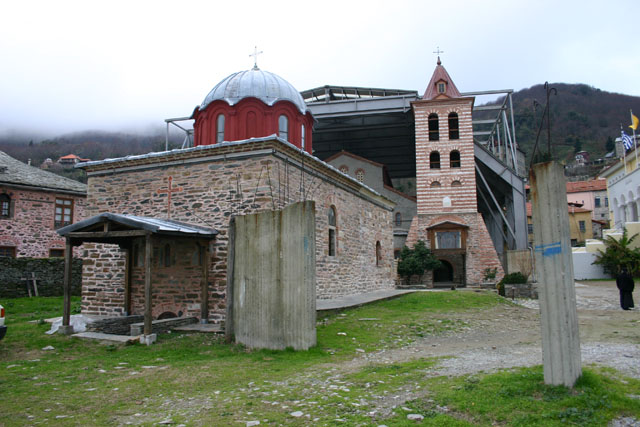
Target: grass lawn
[197, 379]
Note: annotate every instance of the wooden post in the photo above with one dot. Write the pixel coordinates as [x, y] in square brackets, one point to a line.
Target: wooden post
[204, 303]
[229, 326]
[66, 327]
[128, 264]
[148, 249]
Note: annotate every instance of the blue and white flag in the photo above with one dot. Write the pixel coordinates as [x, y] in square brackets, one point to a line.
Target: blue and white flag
[627, 141]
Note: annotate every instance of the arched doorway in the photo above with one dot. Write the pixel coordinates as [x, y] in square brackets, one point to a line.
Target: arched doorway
[444, 274]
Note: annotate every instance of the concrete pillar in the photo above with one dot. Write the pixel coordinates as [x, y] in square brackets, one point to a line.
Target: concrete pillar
[554, 264]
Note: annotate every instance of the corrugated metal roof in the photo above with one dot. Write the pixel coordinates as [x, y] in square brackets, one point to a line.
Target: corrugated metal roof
[154, 225]
[14, 172]
[255, 83]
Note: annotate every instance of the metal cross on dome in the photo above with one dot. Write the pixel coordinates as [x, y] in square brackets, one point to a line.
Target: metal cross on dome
[255, 57]
[438, 51]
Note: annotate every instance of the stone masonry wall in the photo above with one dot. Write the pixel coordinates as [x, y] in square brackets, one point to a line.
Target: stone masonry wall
[49, 274]
[214, 190]
[30, 229]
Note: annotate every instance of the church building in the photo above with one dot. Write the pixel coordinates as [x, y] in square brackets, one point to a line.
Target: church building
[252, 153]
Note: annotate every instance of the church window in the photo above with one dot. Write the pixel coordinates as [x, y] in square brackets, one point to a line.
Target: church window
[398, 219]
[454, 130]
[360, 175]
[56, 253]
[331, 219]
[378, 253]
[435, 184]
[220, 128]
[344, 169]
[456, 183]
[442, 87]
[454, 159]
[448, 240]
[302, 140]
[434, 160]
[434, 127]
[283, 127]
[7, 251]
[5, 206]
[63, 212]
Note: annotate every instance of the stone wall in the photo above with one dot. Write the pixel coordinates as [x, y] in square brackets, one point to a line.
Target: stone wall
[214, 188]
[30, 229]
[49, 273]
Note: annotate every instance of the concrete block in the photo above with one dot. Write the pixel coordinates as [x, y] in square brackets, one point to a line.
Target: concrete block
[148, 339]
[554, 263]
[65, 329]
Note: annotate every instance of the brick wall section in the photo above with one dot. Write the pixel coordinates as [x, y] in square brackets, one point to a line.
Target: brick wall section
[215, 189]
[480, 252]
[31, 227]
[463, 197]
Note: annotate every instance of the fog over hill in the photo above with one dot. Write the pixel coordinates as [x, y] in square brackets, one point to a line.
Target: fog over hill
[582, 118]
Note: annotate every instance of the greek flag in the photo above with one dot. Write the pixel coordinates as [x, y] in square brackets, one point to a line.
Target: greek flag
[627, 141]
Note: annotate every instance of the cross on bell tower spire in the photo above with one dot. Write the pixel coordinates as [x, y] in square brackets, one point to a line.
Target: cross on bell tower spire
[438, 51]
[255, 57]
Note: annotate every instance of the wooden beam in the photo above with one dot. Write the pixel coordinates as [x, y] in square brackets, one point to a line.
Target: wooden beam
[68, 258]
[148, 249]
[107, 234]
[204, 303]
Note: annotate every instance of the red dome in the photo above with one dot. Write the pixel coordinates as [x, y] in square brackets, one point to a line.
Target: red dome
[246, 105]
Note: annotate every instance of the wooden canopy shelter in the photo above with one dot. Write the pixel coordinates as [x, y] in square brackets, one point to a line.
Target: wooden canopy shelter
[122, 230]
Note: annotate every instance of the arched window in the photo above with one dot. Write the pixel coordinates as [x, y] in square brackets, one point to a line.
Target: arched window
[360, 175]
[434, 127]
[331, 220]
[398, 219]
[5, 206]
[378, 253]
[434, 160]
[435, 184]
[220, 128]
[454, 132]
[344, 169]
[283, 127]
[454, 159]
[456, 183]
[302, 140]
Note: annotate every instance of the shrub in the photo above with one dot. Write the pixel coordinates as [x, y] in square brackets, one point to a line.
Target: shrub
[513, 278]
[618, 254]
[417, 260]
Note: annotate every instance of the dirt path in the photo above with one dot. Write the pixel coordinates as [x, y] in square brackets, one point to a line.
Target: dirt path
[509, 336]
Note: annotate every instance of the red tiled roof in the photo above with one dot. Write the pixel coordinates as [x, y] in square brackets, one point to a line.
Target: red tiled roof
[591, 185]
[441, 74]
[570, 209]
[354, 156]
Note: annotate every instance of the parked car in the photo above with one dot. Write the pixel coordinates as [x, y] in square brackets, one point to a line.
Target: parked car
[3, 329]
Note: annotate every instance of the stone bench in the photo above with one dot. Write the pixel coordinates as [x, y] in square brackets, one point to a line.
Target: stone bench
[162, 326]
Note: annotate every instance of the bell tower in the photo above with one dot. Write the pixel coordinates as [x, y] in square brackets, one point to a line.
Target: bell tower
[445, 160]
[447, 215]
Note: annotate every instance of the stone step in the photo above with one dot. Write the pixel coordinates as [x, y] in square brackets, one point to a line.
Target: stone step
[122, 339]
[162, 326]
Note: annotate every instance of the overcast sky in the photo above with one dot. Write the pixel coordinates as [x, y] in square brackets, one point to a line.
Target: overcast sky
[127, 65]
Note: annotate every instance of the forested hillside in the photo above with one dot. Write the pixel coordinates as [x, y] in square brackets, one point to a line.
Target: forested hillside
[582, 118]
